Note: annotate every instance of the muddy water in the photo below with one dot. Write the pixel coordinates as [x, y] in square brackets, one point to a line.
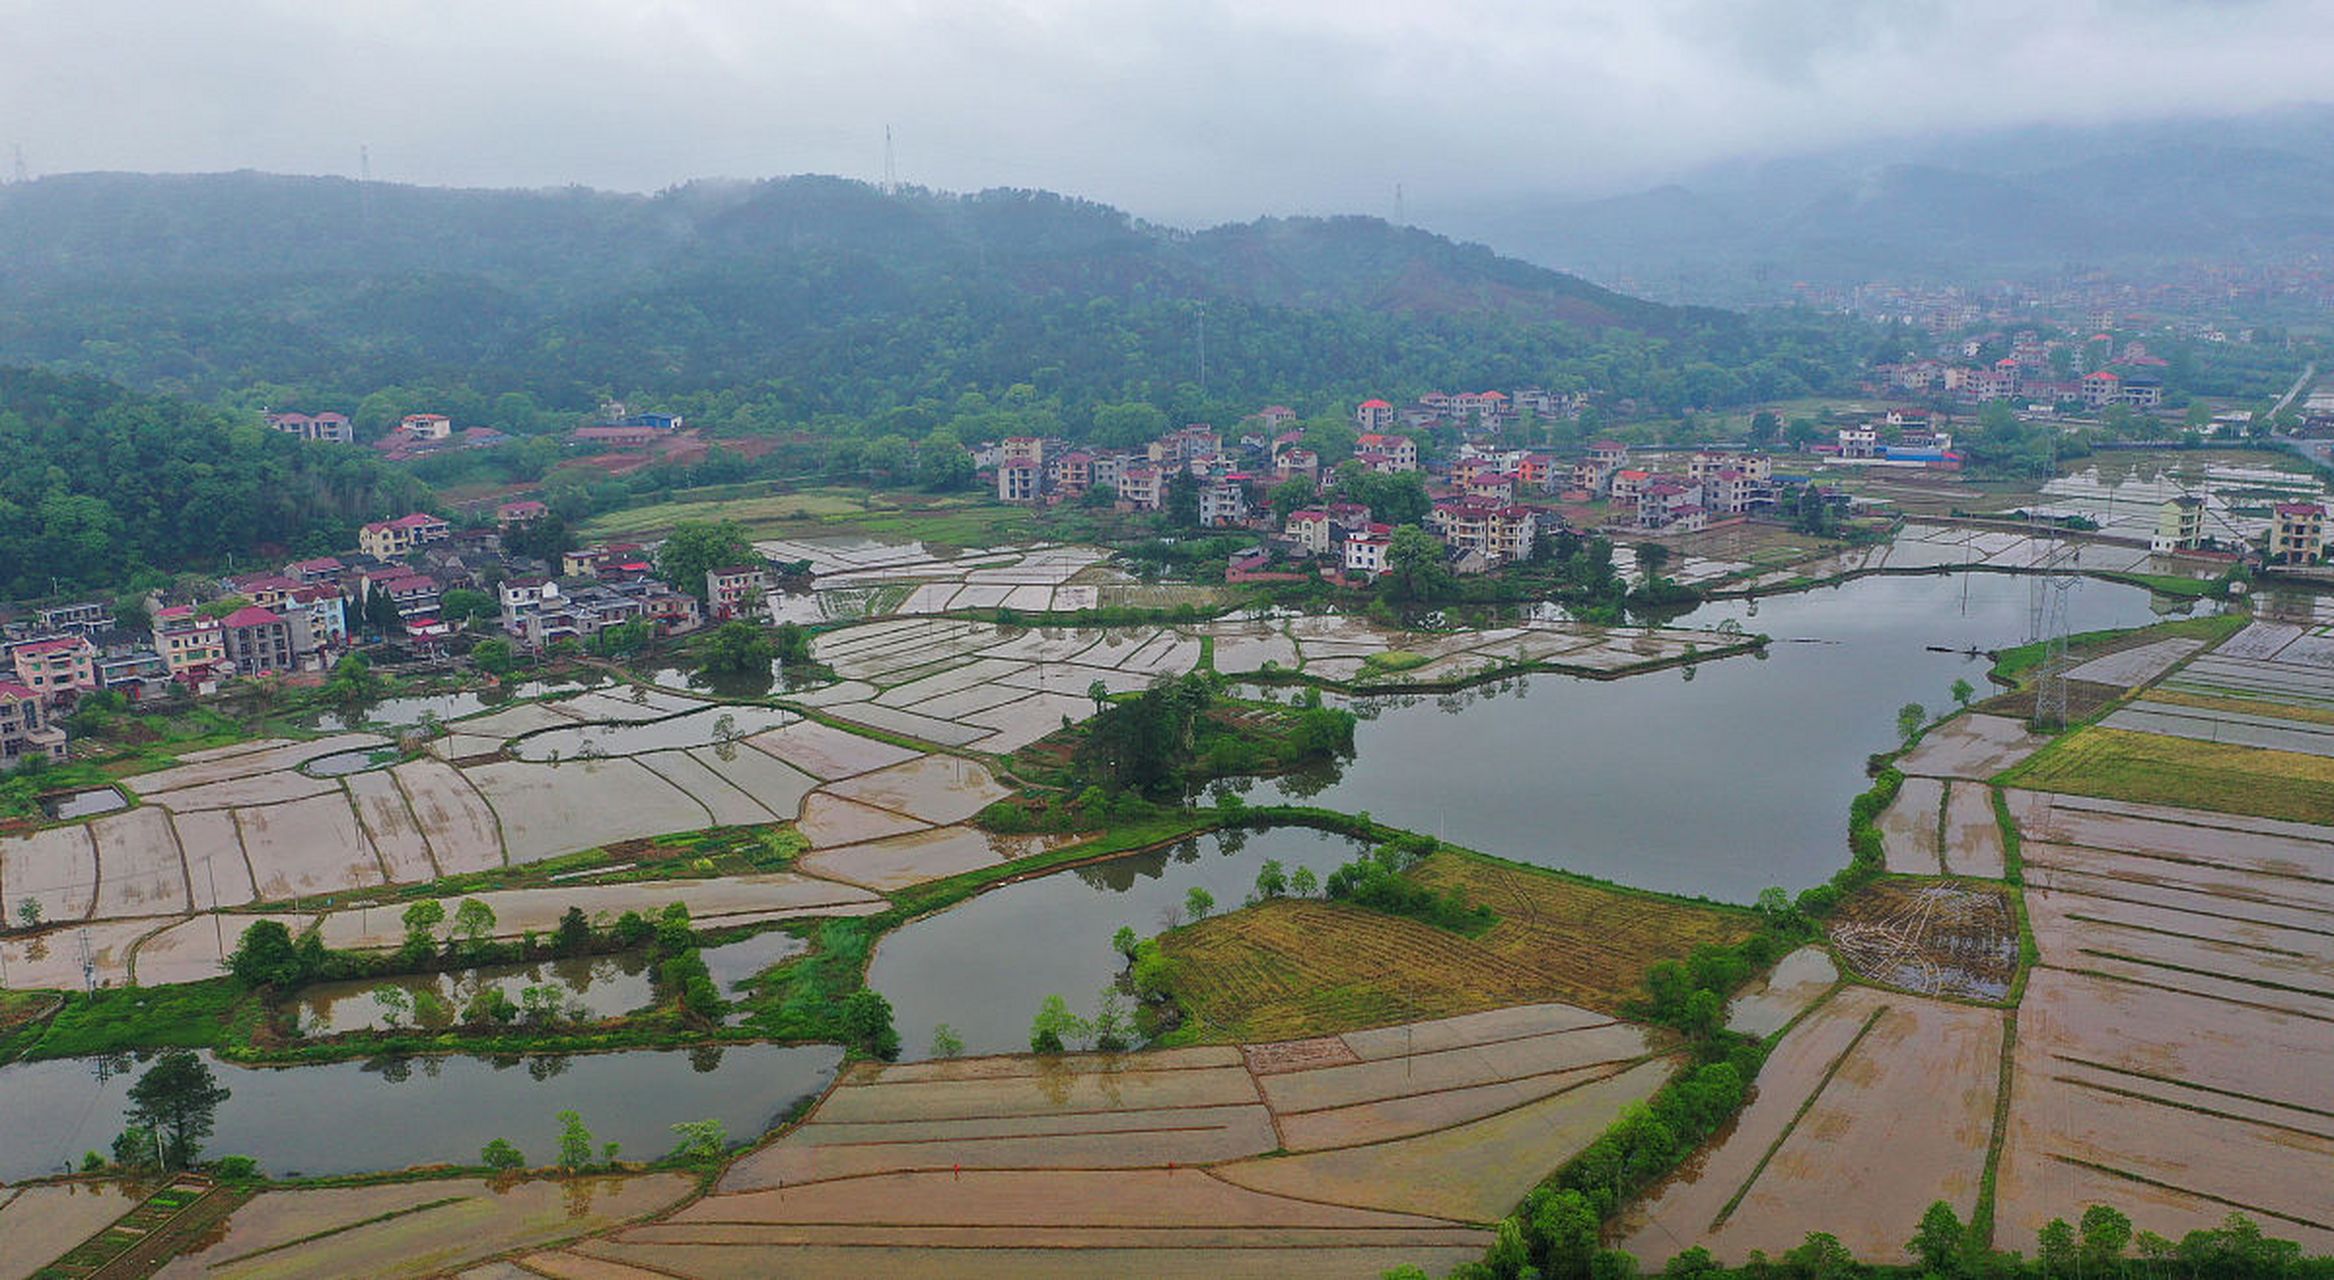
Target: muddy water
[984, 965]
[361, 1117]
[1717, 781]
[443, 706]
[602, 986]
[83, 804]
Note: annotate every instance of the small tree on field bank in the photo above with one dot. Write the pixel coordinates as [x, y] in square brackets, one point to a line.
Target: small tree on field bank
[575, 1141]
[1963, 691]
[1198, 903]
[177, 1099]
[500, 1156]
[1909, 719]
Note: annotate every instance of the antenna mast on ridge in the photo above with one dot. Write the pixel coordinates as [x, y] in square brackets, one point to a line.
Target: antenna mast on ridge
[364, 187]
[891, 168]
[19, 173]
[1400, 218]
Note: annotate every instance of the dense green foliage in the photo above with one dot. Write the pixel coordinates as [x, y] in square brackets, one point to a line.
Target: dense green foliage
[104, 483]
[1376, 881]
[1176, 734]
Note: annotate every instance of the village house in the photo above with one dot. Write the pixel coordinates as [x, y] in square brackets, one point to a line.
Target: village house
[25, 728]
[672, 612]
[1073, 472]
[135, 674]
[1497, 487]
[426, 426]
[87, 618]
[317, 618]
[57, 668]
[2179, 525]
[257, 641]
[1365, 549]
[392, 539]
[2101, 388]
[1105, 470]
[1309, 528]
[1386, 453]
[1609, 454]
[1139, 487]
[1538, 472]
[2298, 534]
[310, 572]
[1374, 415]
[1273, 415]
[522, 598]
[1029, 449]
[1626, 484]
[190, 644]
[1859, 441]
[321, 428]
[1297, 464]
[1500, 533]
[415, 596]
[1671, 503]
[737, 591]
[1224, 503]
[512, 515]
[1019, 480]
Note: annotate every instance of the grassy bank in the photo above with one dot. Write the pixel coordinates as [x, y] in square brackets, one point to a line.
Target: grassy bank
[2147, 768]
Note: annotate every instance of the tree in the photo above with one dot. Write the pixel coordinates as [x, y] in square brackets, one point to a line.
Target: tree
[1303, 883]
[1415, 565]
[1963, 691]
[736, 648]
[793, 643]
[1939, 1240]
[28, 913]
[1099, 691]
[575, 933]
[500, 1156]
[702, 1139]
[1125, 941]
[1271, 880]
[1290, 495]
[493, 656]
[1821, 1257]
[867, 1022]
[421, 920]
[266, 957]
[1055, 1026]
[473, 921]
[575, 1141]
[697, 547]
[1652, 558]
[1110, 1023]
[1764, 426]
[1198, 903]
[945, 1042]
[381, 614]
[1566, 1226]
[353, 682]
[466, 605]
[2106, 1233]
[942, 463]
[1909, 719]
[178, 1098]
[2054, 1251]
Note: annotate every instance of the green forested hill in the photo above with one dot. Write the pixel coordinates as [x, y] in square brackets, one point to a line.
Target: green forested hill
[103, 483]
[821, 296]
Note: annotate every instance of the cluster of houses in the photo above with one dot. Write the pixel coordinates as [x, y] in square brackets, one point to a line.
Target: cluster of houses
[2131, 376]
[304, 615]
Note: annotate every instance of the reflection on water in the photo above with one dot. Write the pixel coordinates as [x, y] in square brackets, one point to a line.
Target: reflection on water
[1717, 780]
[400, 712]
[389, 1114]
[983, 966]
[692, 729]
[594, 986]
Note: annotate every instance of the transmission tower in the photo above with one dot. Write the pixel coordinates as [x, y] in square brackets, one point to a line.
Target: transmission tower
[18, 172]
[891, 168]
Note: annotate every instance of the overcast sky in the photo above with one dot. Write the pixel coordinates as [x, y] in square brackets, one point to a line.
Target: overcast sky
[1179, 109]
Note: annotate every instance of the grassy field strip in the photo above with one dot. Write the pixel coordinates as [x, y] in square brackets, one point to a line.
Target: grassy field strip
[1805, 1105]
[2147, 768]
[2177, 1189]
[1981, 1218]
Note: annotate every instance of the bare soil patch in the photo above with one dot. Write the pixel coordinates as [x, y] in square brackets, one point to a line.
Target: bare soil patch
[1930, 937]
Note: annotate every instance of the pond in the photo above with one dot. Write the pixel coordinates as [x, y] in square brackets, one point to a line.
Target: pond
[83, 804]
[602, 986]
[690, 729]
[1718, 780]
[342, 763]
[354, 1117]
[733, 962]
[984, 965]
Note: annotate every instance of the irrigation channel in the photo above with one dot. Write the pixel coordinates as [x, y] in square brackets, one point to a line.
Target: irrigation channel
[1717, 781]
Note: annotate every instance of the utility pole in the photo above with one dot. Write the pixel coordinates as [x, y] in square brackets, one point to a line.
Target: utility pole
[218, 928]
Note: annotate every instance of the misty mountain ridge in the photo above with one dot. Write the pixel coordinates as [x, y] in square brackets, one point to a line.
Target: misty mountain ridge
[2027, 203]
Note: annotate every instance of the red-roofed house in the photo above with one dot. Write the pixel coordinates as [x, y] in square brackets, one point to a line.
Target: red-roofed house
[2101, 388]
[1388, 453]
[257, 641]
[59, 666]
[1365, 549]
[190, 644]
[512, 514]
[325, 569]
[426, 426]
[1375, 415]
[389, 539]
